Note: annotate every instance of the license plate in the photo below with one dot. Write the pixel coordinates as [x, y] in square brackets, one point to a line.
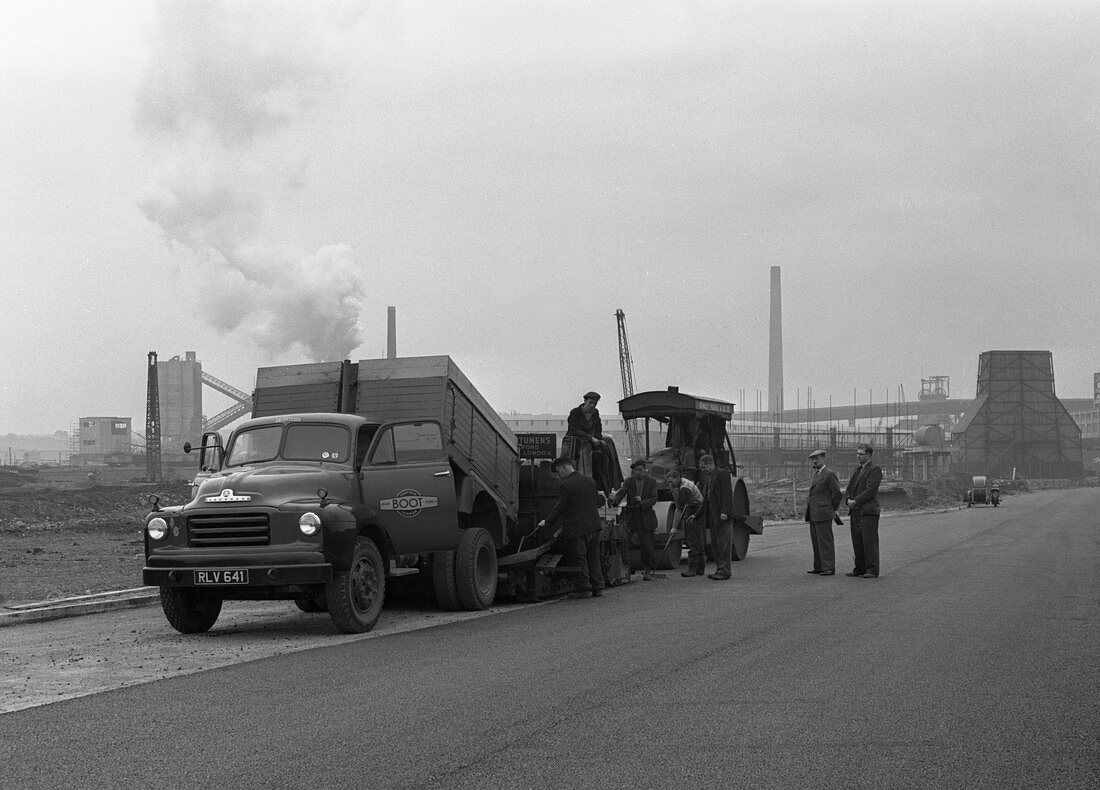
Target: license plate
[227, 576]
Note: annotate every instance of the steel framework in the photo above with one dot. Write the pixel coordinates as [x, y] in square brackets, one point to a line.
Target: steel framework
[1016, 425]
[626, 368]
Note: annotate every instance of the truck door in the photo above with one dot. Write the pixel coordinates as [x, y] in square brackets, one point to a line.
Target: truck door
[408, 480]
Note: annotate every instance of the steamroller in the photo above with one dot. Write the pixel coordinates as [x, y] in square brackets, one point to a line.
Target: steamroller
[678, 429]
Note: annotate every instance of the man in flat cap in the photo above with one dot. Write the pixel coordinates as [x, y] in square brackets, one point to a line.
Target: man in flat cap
[821, 503]
[578, 510]
[585, 427]
[640, 493]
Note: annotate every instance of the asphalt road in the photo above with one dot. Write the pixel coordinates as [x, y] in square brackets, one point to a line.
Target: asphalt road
[973, 662]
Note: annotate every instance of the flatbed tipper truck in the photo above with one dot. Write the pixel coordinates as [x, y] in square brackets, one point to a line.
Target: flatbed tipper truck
[349, 474]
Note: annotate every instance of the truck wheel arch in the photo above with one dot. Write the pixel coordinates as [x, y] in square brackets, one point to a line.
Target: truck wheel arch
[478, 508]
[341, 558]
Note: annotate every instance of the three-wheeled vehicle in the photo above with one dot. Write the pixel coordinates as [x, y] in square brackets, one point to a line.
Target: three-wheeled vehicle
[685, 427]
[981, 493]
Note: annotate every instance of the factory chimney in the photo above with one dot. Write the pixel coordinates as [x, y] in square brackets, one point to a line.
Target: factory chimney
[391, 332]
[775, 350]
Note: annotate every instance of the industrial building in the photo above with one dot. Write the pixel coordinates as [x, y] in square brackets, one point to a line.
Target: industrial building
[102, 441]
[180, 389]
[1016, 425]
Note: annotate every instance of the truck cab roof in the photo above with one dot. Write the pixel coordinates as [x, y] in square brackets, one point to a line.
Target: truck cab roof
[350, 420]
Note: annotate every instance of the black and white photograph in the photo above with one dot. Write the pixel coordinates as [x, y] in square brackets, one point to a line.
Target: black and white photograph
[497, 394]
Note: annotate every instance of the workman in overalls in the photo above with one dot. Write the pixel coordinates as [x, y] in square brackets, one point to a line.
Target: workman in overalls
[640, 494]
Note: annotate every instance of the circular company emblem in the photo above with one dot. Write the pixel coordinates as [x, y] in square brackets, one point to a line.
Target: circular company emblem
[408, 502]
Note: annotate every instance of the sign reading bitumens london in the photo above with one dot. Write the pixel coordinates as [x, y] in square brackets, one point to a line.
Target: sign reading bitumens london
[537, 445]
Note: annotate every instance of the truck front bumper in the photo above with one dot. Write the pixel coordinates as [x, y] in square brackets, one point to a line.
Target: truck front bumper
[244, 569]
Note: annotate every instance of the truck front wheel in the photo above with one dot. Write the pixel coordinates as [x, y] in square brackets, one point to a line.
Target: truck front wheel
[190, 611]
[355, 596]
[476, 569]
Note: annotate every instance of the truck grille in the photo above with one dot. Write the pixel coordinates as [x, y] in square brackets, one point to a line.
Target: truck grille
[244, 529]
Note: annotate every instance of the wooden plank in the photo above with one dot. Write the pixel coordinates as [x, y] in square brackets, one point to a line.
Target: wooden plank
[296, 401]
[404, 368]
[297, 375]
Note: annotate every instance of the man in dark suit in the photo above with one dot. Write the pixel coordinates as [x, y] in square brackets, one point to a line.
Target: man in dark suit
[718, 510]
[822, 501]
[578, 510]
[863, 511]
[640, 493]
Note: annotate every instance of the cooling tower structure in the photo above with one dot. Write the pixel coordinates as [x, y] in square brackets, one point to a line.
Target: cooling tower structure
[1016, 423]
[775, 349]
[180, 383]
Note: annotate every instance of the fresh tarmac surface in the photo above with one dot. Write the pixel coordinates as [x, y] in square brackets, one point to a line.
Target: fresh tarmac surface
[972, 662]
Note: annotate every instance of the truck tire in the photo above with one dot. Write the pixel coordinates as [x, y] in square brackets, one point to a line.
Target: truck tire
[444, 581]
[476, 569]
[354, 596]
[190, 611]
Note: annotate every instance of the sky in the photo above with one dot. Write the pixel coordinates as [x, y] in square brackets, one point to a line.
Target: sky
[258, 182]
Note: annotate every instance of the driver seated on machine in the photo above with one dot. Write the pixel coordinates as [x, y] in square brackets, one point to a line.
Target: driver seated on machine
[586, 428]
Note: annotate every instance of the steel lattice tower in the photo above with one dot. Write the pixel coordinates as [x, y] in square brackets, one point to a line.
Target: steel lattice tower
[626, 368]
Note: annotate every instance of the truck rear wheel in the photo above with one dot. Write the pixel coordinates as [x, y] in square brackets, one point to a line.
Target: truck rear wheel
[444, 581]
[190, 611]
[476, 569]
[355, 596]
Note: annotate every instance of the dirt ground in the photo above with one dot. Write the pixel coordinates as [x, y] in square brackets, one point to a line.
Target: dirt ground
[63, 543]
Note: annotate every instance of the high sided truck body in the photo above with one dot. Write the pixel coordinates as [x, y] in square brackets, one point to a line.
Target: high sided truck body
[349, 473]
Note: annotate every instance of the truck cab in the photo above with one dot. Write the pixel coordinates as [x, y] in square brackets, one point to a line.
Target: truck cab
[282, 508]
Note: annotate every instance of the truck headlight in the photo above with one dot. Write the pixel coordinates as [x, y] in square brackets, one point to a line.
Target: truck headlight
[309, 523]
[157, 528]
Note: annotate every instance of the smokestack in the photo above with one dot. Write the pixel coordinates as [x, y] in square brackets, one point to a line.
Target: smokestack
[391, 332]
[775, 349]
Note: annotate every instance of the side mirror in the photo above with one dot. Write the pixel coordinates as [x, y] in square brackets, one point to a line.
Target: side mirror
[187, 447]
[211, 453]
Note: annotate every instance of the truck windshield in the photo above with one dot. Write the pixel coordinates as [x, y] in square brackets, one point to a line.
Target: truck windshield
[317, 443]
[303, 442]
[255, 445]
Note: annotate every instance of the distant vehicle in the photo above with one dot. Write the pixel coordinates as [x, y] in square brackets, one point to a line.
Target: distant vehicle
[982, 494]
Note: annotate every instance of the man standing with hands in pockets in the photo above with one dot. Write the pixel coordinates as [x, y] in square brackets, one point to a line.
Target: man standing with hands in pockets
[863, 509]
[821, 503]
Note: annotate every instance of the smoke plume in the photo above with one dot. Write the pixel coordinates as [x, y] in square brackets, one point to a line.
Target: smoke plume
[224, 80]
